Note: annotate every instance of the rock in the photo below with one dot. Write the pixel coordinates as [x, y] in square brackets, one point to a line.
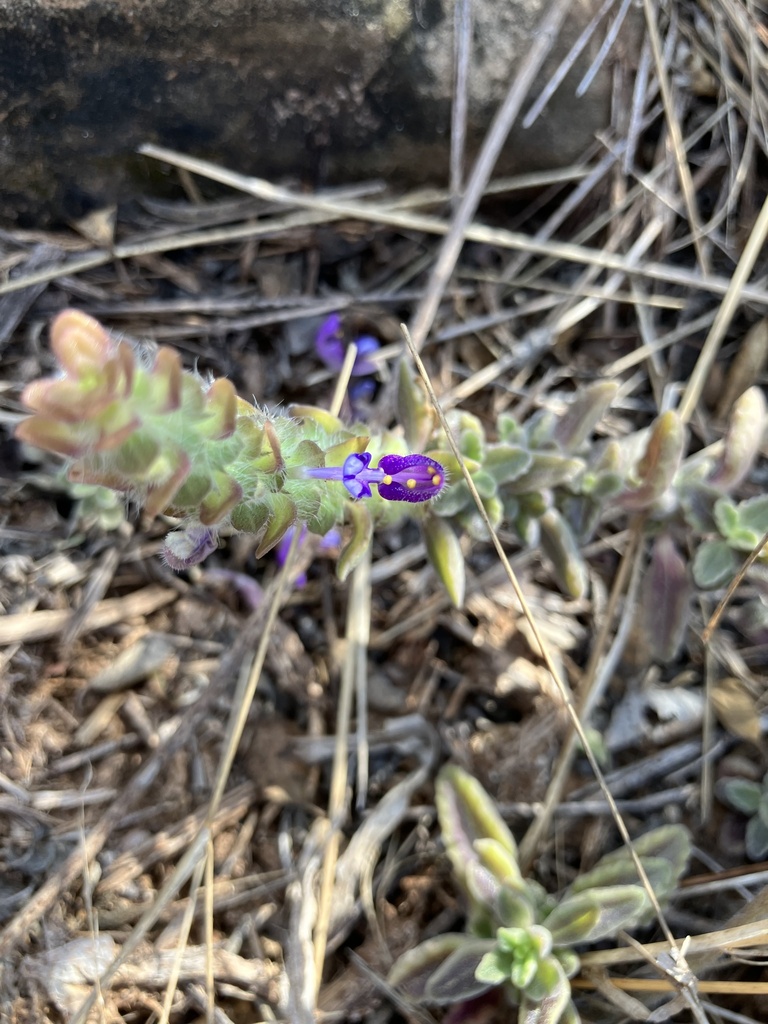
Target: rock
[325, 91]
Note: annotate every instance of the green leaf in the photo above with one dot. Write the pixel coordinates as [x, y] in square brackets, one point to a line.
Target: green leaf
[362, 532]
[456, 978]
[573, 919]
[620, 906]
[665, 601]
[494, 968]
[509, 429]
[412, 971]
[414, 409]
[664, 853]
[548, 981]
[714, 564]
[283, 516]
[659, 464]
[444, 553]
[753, 515]
[560, 545]
[467, 813]
[741, 794]
[741, 444]
[506, 462]
[583, 415]
[756, 839]
[501, 862]
[547, 470]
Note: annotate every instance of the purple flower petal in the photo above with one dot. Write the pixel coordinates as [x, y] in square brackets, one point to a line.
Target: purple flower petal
[410, 478]
[329, 342]
[366, 346]
[281, 552]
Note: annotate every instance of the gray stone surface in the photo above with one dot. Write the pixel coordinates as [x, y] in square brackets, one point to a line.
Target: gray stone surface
[325, 91]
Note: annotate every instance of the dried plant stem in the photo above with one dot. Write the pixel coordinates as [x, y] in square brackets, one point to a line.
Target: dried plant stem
[543, 38]
[714, 621]
[593, 685]
[676, 136]
[735, 294]
[561, 685]
[754, 988]
[358, 627]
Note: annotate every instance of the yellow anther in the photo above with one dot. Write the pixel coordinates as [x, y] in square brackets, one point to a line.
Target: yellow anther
[436, 480]
[410, 484]
[387, 480]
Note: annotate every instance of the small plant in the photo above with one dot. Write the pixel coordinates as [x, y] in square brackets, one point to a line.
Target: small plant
[519, 939]
[751, 798]
[190, 448]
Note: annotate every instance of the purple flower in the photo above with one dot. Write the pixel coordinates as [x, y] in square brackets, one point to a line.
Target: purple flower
[332, 539]
[331, 347]
[399, 477]
[329, 343]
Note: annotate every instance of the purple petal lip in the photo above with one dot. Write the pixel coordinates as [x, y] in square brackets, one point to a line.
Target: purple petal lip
[410, 478]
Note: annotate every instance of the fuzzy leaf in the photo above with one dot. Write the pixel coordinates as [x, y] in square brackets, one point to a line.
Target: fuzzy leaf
[414, 409]
[714, 564]
[742, 794]
[362, 532]
[742, 440]
[282, 518]
[506, 462]
[455, 979]
[551, 1010]
[663, 851]
[659, 464]
[444, 552]
[574, 919]
[412, 971]
[501, 862]
[623, 872]
[560, 546]
[549, 979]
[583, 415]
[466, 814]
[756, 840]
[665, 601]
[737, 709]
[222, 497]
[494, 968]
[547, 470]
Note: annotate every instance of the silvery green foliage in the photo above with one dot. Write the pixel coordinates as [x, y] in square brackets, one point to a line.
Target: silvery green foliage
[519, 938]
[190, 448]
[751, 798]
